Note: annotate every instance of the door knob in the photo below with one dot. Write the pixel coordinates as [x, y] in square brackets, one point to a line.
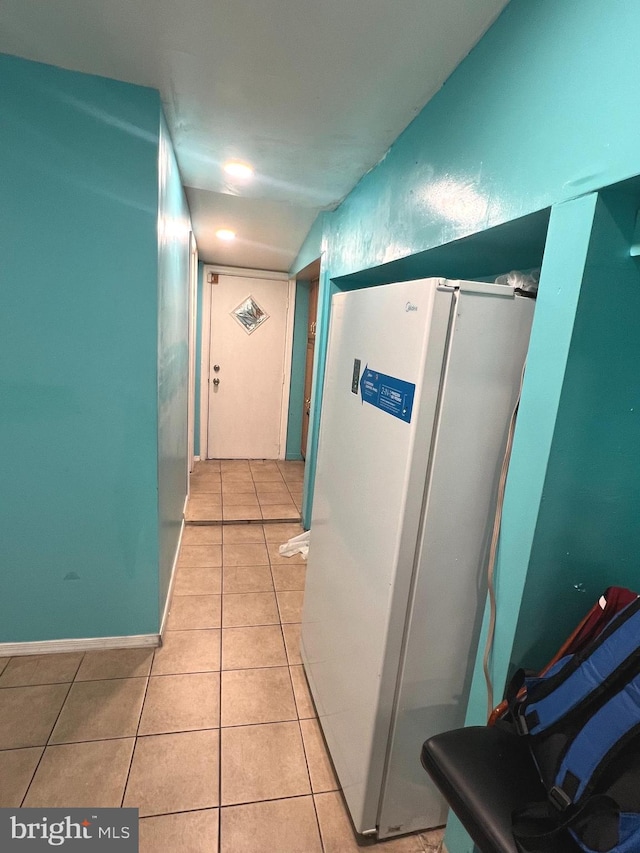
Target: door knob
[216, 381]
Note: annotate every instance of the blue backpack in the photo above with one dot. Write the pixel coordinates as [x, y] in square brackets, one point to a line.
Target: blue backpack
[582, 722]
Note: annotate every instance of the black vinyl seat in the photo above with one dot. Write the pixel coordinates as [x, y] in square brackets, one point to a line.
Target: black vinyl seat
[484, 774]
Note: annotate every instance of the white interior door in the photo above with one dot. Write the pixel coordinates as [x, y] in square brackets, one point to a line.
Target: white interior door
[193, 284]
[246, 367]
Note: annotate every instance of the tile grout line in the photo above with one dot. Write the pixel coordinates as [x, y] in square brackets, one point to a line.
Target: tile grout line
[55, 723]
[222, 567]
[135, 740]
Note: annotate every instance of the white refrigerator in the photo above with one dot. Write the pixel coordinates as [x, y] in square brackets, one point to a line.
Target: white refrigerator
[421, 380]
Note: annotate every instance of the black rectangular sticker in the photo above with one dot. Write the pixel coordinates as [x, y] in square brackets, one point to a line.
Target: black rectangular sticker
[356, 376]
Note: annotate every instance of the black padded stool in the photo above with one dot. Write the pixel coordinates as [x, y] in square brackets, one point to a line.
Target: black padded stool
[484, 774]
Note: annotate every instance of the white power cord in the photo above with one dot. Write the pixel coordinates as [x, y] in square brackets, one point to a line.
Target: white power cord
[495, 536]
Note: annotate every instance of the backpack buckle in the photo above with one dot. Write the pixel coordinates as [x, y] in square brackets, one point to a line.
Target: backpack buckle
[559, 798]
[521, 724]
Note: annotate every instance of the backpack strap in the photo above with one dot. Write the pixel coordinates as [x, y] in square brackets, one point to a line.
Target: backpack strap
[536, 825]
[603, 736]
[584, 676]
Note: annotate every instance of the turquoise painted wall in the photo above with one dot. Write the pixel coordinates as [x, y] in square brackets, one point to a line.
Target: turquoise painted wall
[78, 355]
[537, 113]
[587, 536]
[174, 225]
[298, 361]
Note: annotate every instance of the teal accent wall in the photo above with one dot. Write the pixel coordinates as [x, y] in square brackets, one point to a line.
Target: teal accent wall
[298, 362]
[587, 536]
[174, 225]
[78, 354]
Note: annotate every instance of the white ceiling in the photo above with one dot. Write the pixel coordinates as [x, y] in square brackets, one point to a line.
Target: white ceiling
[311, 92]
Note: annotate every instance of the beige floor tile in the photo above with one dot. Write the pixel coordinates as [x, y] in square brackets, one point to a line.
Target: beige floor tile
[174, 773]
[257, 696]
[271, 498]
[194, 611]
[115, 663]
[266, 487]
[242, 477]
[304, 702]
[186, 832]
[291, 465]
[290, 605]
[263, 762]
[206, 486]
[277, 559]
[27, 714]
[242, 534]
[321, 770]
[206, 482]
[40, 669]
[234, 464]
[247, 579]
[192, 580]
[202, 556]
[181, 703]
[432, 840]
[263, 464]
[205, 500]
[202, 534]
[81, 775]
[280, 512]
[187, 651]
[203, 514]
[247, 648]
[244, 486]
[267, 475]
[252, 608]
[276, 826]
[280, 533]
[3, 663]
[291, 633]
[248, 554]
[97, 710]
[337, 834]
[289, 578]
[207, 465]
[242, 513]
[17, 767]
[239, 499]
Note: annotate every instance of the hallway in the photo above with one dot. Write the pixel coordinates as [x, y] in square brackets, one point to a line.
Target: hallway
[213, 736]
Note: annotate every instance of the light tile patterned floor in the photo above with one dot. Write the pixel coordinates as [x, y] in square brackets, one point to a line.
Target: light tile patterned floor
[242, 490]
[214, 736]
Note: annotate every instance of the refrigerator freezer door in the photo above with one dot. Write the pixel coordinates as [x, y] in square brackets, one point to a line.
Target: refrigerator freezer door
[488, 347]
[368, 493]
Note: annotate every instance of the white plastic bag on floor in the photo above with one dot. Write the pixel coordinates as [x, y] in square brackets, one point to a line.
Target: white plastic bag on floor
[296, 544]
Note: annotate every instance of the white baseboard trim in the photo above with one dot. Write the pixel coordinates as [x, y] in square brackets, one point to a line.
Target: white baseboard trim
[87, 644]
[173, 574]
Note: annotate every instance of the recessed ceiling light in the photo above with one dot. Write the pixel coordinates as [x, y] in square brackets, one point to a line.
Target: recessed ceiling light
[225, 234]
[238, 170]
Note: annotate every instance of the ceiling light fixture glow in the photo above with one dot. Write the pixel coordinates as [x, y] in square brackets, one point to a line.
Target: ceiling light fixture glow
[225, 234]
[238, 170]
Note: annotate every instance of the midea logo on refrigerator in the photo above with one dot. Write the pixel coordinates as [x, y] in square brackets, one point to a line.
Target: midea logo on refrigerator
[410, 307]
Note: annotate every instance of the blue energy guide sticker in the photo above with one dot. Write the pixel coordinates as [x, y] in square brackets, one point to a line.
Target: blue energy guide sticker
[392, 395]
